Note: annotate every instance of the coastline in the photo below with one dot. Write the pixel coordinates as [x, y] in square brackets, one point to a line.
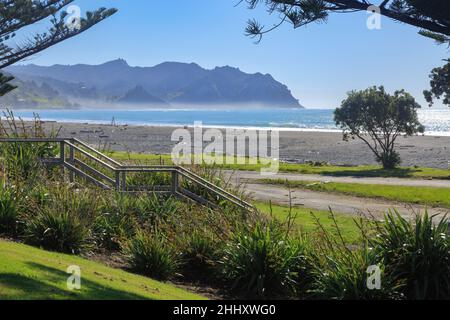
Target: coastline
[295, 146]
[436, 121]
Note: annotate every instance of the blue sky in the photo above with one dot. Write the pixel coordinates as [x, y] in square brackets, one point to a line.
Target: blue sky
[319, 63]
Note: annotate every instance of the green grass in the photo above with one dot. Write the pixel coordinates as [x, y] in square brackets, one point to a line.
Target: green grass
[306, 223]
[33, 274]
[144, 157]
[430, 196]
[330, 170]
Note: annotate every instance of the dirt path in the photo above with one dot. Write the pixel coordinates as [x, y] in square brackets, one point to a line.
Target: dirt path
[338, 203]
[255, 175]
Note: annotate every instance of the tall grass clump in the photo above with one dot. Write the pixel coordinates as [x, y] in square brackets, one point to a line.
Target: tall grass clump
[262, 262]
[57, 231]
[9, 213]
[416, 254]
[150, 208]
[339, 271]
[142, 180]
[153, 256]
[341, 274]
[200, 253]
[60, 218]
[21, 160]
[112, 229]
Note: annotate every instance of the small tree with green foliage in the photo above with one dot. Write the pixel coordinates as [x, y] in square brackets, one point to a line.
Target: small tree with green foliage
[378, 119]
[440, 85]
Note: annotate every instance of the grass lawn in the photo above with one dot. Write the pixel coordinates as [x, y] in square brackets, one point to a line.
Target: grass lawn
[305, 222]
[430, 196]
[330, 170]
[33, 274]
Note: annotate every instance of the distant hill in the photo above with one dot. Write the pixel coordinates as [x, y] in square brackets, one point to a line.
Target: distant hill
[29, 94]
[171, 83]
[138, 95]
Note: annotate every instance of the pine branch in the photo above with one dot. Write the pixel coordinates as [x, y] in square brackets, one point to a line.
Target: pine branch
[18, 14]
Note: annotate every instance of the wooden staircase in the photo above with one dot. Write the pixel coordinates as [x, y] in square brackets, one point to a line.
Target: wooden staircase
[83, 161]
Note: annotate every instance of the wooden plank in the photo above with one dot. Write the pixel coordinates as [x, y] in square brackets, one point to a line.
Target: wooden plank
[134, 169]
[175, 182]
[87, 154]
[149, 188]
[94, 171]
[96, 151]
[86, 176]
[31, 140]
[193, 196]
[213, 186]
[224, 195]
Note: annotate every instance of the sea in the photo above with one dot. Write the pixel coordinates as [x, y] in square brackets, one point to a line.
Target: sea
[436, 121]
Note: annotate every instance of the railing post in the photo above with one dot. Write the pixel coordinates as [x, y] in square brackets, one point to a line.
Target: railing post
[62, 152]
[62, 157]
[124, 181]
[175, 181]
[72, 162]
[117, 180]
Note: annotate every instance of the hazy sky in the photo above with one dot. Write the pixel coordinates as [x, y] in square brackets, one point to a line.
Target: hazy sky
[319, 63]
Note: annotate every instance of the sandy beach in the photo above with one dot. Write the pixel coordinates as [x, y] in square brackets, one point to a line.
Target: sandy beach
[428, 151]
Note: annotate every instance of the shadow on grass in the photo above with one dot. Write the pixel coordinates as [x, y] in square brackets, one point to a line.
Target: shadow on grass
[20, 287]
[31, 288]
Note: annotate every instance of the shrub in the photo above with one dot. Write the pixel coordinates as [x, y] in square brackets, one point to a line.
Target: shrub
[339, 270]
[58, 231]
[262, 262]
[416, 254]
[151, 207]
[151, 255]
[341, 274]
[379, 118]
[200, 253]
[84, 204]
[8, 211]
[21, 160]
[111, 230]
[39, 196]
[142, 180]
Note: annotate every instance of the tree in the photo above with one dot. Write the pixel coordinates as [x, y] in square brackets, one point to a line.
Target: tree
[15, 15]
[431, 16]
[378, 119]
[440, 85]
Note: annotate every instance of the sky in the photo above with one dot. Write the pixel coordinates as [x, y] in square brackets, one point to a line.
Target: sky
[319, 63]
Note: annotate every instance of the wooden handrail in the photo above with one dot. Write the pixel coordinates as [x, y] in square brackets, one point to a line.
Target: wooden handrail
[100, 154]
[39, 140]
[87, 154]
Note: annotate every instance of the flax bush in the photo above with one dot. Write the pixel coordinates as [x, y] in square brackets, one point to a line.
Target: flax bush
[9, 213]
[152, 255]
[262, 262]
[416, 254]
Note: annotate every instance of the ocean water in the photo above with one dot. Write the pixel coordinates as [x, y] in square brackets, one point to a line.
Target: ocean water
[436, 121]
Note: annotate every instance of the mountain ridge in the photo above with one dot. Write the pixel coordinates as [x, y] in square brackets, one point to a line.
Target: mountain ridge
[171, 82]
